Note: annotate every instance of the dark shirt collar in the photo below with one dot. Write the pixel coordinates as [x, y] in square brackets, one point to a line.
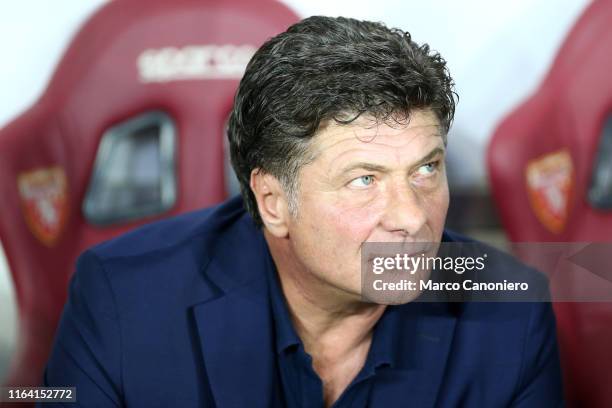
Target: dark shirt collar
[384, 347]
[286, 336]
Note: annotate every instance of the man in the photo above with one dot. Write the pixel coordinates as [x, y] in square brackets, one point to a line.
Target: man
[338, 138]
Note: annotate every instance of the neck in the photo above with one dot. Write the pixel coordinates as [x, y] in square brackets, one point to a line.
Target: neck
[330, 322]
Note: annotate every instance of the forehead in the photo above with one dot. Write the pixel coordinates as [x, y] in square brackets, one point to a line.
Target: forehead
[422, 128]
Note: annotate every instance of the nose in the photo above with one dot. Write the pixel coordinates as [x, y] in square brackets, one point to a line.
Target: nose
[405, 213]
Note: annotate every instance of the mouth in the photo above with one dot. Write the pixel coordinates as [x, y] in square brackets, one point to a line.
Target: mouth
[371, 250]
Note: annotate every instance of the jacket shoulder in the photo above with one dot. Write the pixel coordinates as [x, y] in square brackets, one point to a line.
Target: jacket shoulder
[202, 225]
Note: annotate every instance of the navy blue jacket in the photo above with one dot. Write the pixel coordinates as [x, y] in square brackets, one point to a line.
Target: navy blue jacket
[177, 314]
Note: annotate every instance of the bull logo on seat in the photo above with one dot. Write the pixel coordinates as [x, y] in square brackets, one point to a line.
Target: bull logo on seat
[549, 185]
[44, 201]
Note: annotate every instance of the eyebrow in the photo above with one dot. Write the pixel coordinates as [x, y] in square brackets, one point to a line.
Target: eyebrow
[382, 169]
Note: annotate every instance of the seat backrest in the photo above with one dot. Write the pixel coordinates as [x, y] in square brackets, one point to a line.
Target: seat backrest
[130, 129]
[550, 165]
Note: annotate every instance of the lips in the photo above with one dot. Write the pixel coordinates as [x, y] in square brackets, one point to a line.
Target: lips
[371, 250]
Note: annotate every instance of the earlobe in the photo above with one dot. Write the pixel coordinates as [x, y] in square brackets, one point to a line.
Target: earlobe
[271, 202]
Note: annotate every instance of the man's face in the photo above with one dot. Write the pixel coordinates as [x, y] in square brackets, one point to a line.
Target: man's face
[368, 183]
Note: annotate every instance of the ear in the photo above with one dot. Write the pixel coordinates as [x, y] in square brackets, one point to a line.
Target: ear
[271, 202]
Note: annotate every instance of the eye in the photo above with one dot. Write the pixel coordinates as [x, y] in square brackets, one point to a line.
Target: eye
[428, 168]
[363, 181]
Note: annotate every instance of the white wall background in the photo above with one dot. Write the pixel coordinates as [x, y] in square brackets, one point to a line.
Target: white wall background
[497, 51]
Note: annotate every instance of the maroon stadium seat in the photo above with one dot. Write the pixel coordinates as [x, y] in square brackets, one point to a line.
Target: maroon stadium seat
[550, 164]
[129, 130]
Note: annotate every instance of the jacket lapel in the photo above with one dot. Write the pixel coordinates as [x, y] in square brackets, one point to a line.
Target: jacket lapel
[236, 343]
[234, 326]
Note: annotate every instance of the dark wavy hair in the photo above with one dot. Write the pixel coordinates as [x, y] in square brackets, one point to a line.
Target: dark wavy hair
[327, 69]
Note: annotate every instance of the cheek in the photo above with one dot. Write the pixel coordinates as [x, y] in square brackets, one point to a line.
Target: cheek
[338, 223]
[437, 207]
[355, 224]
